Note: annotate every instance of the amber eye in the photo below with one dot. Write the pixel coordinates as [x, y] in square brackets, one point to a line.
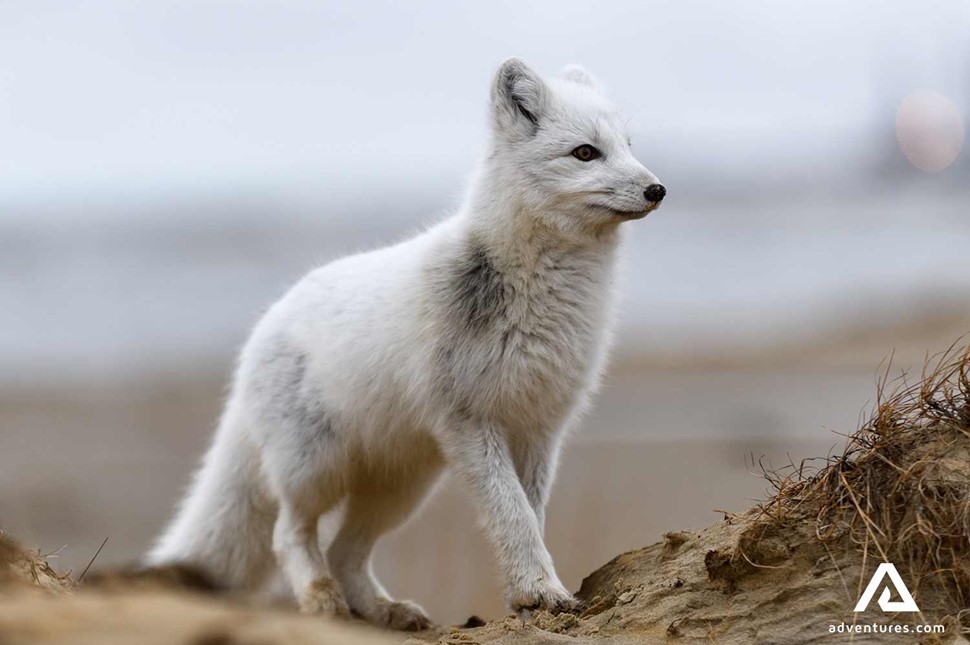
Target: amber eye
[587, 152]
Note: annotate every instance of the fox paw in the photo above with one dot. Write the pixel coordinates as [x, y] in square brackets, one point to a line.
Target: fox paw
[402, 615]
[323, 598]
[550, 597]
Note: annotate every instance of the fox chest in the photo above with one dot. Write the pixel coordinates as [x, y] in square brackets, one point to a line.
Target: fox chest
[522, 354]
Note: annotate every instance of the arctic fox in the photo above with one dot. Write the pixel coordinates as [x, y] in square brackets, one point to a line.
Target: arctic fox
[473, 345]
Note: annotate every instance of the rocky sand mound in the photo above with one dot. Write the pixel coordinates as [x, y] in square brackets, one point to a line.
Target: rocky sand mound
[789, 570]
[38, 605]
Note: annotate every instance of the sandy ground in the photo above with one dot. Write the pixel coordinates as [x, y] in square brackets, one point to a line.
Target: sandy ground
[38, 605]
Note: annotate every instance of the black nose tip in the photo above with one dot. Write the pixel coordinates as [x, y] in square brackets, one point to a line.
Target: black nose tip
[655, 193]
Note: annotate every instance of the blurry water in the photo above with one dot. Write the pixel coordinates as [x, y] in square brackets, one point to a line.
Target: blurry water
[109, 290]
[759, 272]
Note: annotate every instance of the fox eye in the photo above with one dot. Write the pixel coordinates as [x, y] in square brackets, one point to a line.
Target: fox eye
[587, 152]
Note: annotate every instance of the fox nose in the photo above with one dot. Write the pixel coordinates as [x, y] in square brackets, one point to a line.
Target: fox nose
[655, 193]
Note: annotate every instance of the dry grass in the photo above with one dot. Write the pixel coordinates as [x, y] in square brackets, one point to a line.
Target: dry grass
[19, 566]
[900, 491]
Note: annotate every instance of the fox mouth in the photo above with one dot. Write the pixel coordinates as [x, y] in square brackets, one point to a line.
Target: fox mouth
[624, 213]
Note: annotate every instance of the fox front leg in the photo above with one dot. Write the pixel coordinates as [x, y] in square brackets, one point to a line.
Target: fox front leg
[536, 459]
[480, 454]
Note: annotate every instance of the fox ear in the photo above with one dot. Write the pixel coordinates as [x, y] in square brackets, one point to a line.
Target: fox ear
[519, 98]
[576, 74]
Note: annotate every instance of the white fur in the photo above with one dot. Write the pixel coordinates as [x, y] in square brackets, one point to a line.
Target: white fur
[473, 345]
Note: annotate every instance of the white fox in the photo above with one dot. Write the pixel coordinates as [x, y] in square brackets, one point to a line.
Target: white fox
[473, 345]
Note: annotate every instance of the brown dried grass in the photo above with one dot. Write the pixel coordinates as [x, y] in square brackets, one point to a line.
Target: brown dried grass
[20, 566]
[900, 490]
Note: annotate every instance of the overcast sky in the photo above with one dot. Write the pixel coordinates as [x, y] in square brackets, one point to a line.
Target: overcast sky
[120, 97]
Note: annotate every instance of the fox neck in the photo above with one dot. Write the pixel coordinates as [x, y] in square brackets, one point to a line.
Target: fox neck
[519, 236]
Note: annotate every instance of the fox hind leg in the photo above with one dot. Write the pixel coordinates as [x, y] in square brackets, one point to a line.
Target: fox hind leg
[303, 464]
[297, 549]
[373, 508]
[307, 485]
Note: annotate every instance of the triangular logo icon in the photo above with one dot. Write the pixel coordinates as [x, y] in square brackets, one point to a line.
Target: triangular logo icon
[905, 604]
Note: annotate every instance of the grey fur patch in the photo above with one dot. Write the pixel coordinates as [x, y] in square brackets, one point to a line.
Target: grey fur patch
[478, 294]
[282, 384]
[477, 299]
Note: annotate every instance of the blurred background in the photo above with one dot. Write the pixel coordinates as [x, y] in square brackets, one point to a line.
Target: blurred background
[167, 169]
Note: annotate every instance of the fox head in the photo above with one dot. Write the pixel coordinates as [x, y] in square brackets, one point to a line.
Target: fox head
[562, 148]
